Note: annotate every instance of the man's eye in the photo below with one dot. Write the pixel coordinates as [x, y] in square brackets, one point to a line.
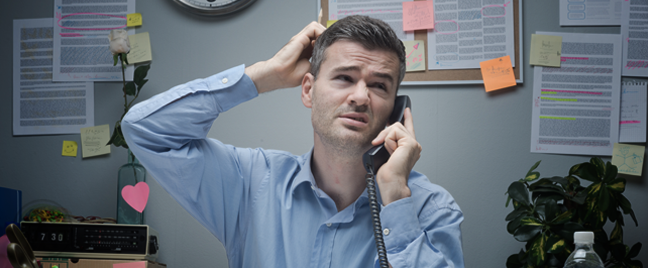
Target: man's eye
[344, 78]
[379, 85]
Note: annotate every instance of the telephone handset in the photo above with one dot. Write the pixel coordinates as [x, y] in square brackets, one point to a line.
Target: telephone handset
[378, 155]
[372, 161]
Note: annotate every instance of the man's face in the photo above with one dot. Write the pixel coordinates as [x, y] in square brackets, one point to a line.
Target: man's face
[353, 95]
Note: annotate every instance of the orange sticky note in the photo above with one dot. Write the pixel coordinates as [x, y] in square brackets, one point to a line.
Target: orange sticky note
[418, 15]
[497, 73]
[137, 264]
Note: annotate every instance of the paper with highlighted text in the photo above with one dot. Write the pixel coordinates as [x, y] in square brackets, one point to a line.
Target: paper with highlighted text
[576, 106]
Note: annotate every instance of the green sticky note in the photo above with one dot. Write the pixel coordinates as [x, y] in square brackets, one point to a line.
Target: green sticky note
[546, 50]
[628, 158]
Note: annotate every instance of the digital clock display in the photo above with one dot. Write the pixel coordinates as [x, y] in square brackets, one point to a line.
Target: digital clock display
[54, 237]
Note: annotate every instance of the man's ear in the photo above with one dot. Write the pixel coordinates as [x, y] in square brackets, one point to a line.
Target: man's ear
[307, 90]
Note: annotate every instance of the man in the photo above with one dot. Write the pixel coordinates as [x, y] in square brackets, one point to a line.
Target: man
[274, 209]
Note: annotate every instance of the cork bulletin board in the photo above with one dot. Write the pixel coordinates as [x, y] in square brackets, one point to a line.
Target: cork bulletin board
[454, 76]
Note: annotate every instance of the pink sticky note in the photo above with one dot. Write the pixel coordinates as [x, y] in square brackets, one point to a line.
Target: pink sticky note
[136, 196]
[137, 264]
[418, 15]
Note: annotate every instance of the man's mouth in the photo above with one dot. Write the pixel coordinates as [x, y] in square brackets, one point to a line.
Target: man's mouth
[359, 117]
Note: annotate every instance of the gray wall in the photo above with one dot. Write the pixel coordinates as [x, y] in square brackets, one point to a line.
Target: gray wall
[475, 144]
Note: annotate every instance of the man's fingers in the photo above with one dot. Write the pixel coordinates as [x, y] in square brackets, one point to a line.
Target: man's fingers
[409, 121]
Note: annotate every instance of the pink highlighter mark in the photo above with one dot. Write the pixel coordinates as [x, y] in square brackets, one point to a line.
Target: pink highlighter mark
[572, 91]
[89, 29]
[572, 58]
[630, 122]
[70, 34]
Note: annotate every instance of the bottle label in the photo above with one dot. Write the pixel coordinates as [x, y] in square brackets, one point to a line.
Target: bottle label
[580, 254]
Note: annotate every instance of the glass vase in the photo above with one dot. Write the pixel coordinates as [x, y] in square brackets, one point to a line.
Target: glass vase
[129, 174]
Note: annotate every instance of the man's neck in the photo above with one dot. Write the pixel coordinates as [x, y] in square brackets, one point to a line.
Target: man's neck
[339, 175]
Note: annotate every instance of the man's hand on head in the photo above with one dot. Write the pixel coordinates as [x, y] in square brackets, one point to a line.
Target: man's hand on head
[288, 67]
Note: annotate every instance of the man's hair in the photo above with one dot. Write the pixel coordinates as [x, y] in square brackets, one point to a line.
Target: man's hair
[370, 33]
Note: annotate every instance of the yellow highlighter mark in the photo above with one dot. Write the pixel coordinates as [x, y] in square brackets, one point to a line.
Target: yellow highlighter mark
[557, 117]
[549, 93]
[558, 99]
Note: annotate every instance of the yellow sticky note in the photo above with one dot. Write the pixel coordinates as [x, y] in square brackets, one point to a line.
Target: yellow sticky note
[94, 139]
[628, 158]
[330, 22]
[415, 55]
[497, 73]
[546, 50]
[70, 148]
[133, 19]
[140, 48]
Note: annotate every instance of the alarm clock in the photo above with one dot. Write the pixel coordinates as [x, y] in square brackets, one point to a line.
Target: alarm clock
[213, 7]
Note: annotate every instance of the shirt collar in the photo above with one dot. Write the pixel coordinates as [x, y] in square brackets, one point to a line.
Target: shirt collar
[305, 175]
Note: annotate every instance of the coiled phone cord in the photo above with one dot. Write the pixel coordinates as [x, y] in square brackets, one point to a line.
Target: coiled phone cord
[375, 217]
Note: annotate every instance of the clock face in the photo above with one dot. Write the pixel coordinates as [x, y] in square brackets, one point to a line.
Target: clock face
[214, 7]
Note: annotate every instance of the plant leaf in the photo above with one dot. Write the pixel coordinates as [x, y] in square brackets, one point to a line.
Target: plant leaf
[140, 74]
[611, 172]
[519, 193]
[513, 261]
[532, 176]
[604, 199]
[587, 171]
[634, 251]
[534, 167]
[129, 89]
[537, 254]
[515, 214]
[617, 185]
[616, 236]
[563, 218]
[599, 165]
[626, 207]
[124, 58]
[530, 221]
[115, 59]
[555, 244]
[526, 233]
[513, 225]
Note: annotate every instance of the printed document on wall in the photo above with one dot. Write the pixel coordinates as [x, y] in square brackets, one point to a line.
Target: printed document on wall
[81, 39]
[632, 126]
[390, 12]
[634, 28]
[41, 106]
[469, 32]
[576, 106]
[590, 12]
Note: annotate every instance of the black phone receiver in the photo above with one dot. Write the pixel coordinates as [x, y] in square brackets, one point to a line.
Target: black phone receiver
[378, 155]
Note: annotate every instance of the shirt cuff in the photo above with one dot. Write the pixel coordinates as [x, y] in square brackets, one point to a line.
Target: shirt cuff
[234, 87]
[400, 224]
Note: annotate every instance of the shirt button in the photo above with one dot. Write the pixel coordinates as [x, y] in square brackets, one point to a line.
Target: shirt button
[386, 231]
[224, 80]
[328, 224]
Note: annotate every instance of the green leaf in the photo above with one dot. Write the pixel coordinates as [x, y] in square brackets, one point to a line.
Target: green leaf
[555, 244]
[563, 218]
[139, 87]
[513, 225]
[588, 172]
[516, 213]
[508, 199]
[626, 207]
[618, 251]
[115, 59]
[599, 166]
[532, 176]
[634, 251]
[140, 74]
[526, 233]
[604, 199]
[530, 221]
[617, 185]
[537, 254]
[574, 169]
[611, 172]
[117, 137]
[129, 89]
[519, 193]
[513, 261]
[534, 167]
[580, 197]
[616, 236]
[593, 189]
[124, 58]
[551, 209]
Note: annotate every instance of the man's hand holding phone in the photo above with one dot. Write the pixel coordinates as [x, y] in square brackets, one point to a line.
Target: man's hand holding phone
[400, 142]
[288, 67]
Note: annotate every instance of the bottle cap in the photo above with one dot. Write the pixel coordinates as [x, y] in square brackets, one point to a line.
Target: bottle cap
[584, 237]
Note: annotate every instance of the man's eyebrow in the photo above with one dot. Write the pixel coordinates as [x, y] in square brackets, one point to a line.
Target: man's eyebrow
[356, 68]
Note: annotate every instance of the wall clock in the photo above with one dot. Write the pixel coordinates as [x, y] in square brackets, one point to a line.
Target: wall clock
[213, 7]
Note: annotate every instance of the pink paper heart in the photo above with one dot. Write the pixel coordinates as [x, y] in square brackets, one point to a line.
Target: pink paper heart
[136, 196]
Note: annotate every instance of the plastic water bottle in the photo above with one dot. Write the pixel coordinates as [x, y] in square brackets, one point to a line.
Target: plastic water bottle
[584, 255]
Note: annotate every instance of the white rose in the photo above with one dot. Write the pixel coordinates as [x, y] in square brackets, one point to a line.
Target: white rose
[119, 41]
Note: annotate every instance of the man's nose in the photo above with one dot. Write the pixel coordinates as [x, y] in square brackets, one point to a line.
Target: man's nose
[360, 95]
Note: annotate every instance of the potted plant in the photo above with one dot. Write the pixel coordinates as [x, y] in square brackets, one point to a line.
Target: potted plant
[547, 212]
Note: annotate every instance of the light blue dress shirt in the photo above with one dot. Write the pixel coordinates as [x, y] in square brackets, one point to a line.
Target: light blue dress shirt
[264, 205]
